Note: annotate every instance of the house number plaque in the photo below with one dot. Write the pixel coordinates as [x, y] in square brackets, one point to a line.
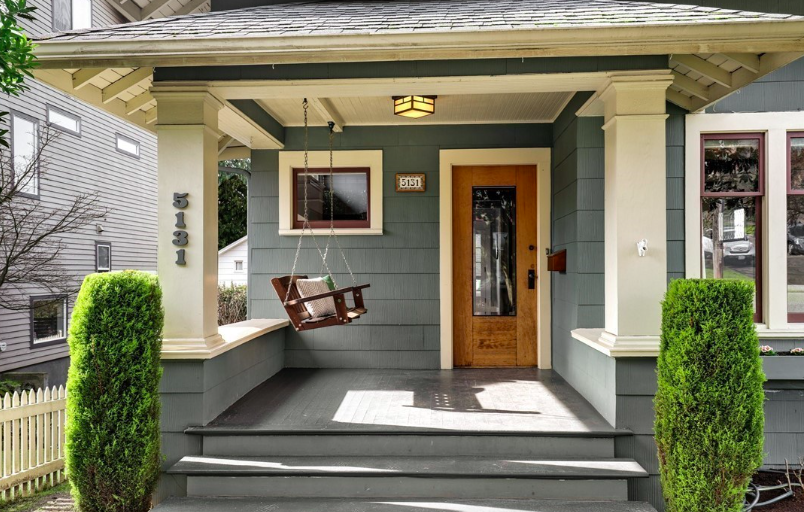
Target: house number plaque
[180, 237]
[410, 183]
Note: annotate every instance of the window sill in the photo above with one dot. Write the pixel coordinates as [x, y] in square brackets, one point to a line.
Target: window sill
[793, 331]
[338, 231]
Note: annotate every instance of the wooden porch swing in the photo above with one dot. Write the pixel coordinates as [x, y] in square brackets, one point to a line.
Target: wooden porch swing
[296, 305]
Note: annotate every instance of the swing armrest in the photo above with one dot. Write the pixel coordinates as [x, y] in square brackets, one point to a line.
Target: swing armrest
[333, 293]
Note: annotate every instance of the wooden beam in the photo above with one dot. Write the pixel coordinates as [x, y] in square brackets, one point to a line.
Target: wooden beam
[691, 86]
[138, 102]
[191, 7]
[83, 76]
[149, 10]
[224, 143]
[749, 61]
[129, 10]
[679, 99]
[150, 116]
[707, 69]
[133, 79]
[327, 110]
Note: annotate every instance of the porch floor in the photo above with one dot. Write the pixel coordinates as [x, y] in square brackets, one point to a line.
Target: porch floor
[463, 400]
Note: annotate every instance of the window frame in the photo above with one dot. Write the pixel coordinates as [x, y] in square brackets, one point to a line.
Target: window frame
[339, 224]
[759, 196]
[65, 305]
[242, 269]
[72, 15]
[50, 124]
[37, 142]
[97, 256]
[793, 318]
[119, 137]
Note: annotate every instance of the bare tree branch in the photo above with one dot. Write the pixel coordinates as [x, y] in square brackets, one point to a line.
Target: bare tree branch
[31, 234]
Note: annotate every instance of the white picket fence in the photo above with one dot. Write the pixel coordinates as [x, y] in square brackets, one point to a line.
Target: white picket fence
[31, 441]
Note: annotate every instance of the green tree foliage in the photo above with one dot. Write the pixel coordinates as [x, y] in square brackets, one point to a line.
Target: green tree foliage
[113, 455]
[16, 52]
[232, 208]
[709, 405]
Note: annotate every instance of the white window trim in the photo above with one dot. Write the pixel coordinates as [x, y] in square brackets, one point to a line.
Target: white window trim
[76, 118]
[119, 137]
[776, 126]
[36, 175]
[66, 324]
[242, 267]
[288, 160]
[98, 245]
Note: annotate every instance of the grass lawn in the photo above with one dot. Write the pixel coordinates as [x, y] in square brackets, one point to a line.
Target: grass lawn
[31, 503]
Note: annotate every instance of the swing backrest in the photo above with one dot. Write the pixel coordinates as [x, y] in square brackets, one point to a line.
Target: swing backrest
[296, 312]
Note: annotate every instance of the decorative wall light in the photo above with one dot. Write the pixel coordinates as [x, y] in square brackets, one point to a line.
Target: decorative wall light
[414, 106]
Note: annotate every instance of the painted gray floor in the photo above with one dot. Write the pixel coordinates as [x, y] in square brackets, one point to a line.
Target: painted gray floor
[482, 400]
[267, 505]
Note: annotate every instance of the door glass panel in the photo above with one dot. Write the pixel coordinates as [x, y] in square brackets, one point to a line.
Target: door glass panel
[494, 246]
[795, 254]
[731, 165]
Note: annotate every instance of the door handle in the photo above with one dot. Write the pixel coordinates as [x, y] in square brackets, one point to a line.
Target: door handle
[531, 279]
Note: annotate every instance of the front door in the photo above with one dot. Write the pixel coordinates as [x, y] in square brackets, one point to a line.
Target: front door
[494, 236]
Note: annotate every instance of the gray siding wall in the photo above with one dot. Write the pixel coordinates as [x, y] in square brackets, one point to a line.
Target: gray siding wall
[401, 329]
[780, 91]
[195, 392]
[86, 164]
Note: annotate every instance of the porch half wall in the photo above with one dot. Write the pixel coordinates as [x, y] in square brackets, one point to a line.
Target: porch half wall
[401, 329]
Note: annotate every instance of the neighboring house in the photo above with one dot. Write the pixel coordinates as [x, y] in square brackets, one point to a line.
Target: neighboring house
[577, 126]
[233, 263]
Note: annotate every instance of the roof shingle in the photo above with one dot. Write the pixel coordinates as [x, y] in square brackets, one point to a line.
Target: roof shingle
[367, 17]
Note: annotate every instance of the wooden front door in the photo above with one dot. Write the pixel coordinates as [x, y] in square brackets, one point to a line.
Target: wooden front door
[494, 235]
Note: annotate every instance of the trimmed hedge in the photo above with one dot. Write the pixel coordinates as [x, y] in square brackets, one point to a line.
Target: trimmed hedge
[113, 456]
[709, 405]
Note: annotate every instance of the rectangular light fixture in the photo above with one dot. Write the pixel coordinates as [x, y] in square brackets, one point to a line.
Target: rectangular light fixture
[414, 106]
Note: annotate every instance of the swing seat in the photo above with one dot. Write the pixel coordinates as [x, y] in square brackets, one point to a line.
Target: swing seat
[300, 317]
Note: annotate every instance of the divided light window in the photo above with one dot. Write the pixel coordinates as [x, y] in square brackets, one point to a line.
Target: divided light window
[63, 120]
[24, 146]
[103, 257]
[128, 146]
[48, 320]
[795, 227]
[347, 194]
[732, 187]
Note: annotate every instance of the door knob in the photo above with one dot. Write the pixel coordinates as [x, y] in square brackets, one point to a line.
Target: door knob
[531, 247]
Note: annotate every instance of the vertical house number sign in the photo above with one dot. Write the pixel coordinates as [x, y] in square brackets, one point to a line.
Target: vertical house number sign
[180, 236]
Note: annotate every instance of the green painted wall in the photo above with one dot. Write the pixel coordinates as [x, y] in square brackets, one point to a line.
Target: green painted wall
[401, 329]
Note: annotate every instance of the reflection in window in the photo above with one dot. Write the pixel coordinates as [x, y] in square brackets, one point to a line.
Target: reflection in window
[494, 240]
[49, 319]
[347, 194]
[731, 165]
[24, 147]
[795, 231]
[103, 257]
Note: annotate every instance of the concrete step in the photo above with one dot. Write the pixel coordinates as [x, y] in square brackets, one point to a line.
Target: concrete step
[409, 477]
[307, 505]
[239, 442]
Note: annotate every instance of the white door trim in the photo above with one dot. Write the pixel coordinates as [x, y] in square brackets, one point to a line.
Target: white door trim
[448, 158]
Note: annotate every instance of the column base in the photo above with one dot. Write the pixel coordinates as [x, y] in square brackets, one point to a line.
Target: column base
[192, 344]
[618, 346]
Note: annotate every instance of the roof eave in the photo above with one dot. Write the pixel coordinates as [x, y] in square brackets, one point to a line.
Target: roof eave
[753, 37]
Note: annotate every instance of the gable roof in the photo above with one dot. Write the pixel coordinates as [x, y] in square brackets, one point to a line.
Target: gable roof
[384, 17]
[232, 245]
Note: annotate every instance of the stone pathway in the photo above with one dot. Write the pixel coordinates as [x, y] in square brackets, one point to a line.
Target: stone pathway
[57, 503]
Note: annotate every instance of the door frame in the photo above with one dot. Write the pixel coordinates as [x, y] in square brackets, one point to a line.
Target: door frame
[448, 158]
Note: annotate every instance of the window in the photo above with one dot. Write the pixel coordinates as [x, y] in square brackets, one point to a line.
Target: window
[347, 194]
[128, 146]
[731, 205]
[63, 120]
[72, 14]
[103, 256]
[238, 264]
[795, 227]
[24, 146]
[48, 320]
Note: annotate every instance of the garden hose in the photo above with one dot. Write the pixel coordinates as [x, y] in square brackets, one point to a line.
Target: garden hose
[755, 491]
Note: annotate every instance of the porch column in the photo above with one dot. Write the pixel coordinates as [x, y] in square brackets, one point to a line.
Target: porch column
[635, 208]
[187, 136]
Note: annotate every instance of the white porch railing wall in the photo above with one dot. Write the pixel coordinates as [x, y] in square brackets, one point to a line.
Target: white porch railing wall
[31, 441]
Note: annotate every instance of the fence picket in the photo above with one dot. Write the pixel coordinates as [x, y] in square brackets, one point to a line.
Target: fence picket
[32, 426]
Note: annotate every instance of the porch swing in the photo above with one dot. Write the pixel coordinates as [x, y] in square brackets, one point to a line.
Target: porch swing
[316, 303]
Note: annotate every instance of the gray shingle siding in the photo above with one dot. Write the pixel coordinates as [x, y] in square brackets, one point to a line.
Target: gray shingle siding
[401, 329]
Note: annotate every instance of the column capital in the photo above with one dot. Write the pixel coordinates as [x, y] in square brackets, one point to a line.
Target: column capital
[630, 94]
[186, 105]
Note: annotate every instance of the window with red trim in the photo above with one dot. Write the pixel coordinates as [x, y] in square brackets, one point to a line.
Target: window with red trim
[795, 227]
[346, 194]
[732, 188]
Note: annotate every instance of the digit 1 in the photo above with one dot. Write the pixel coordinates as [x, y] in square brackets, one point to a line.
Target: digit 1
[180, 257]
[180, 220]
